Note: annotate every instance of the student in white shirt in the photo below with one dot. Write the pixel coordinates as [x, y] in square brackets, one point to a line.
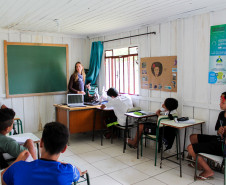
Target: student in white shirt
[120, 104]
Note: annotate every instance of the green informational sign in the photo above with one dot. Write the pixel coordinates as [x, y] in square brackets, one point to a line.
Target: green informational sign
[217, 59]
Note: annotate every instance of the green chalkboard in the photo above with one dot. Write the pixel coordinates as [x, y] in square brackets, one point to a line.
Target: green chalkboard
[35, 69]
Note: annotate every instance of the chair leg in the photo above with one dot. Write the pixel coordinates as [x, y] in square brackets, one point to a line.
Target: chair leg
[177, 146]
[87, 178]
[196, 165]
[145, 140]
[156, 150]
[141, 145]
[111, 134]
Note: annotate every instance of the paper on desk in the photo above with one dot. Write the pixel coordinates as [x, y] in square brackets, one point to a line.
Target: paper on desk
[20, 140]
[190, 121]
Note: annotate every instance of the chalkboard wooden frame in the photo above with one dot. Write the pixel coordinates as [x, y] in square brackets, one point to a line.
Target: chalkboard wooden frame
[6, 44]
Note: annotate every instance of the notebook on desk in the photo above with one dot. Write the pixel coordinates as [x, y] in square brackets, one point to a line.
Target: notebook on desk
[75, 100]
[146, 113]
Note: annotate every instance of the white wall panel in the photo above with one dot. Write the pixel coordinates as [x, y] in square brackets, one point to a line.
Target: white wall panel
[155, 41]
[25, 38]
[201, 58]
[30, 124]
[14, 37]
[188, 58]
[165, 39]
[173, 38]
[47, 39]
[36, 39]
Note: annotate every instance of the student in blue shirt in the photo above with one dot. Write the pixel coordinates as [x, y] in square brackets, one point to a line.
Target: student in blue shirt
[46, 170]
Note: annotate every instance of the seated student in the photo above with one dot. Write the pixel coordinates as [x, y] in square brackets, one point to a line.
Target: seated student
[120, 104]
[8, 144]
[168, 108]
[47, 170]
[210, 144]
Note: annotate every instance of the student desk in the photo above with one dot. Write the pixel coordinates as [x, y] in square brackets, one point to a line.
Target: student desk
[35, 139]
[172, 123]
[139, 118]
[77, 119]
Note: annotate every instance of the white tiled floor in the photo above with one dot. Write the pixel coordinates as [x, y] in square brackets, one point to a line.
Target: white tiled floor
[108, 165]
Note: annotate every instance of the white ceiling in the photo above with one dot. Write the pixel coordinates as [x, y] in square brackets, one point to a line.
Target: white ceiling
[96, 17]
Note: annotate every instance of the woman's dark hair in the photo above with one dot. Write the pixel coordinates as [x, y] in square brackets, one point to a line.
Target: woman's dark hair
[171, 104]
[154, 65]
[55, 137]
[112, 92]
[6, 118]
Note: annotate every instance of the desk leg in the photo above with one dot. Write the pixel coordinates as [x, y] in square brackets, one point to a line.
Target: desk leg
[94, 123]
[178, 136]
[68, 126]
[138, 139]
[163, 128]
[201, 128]
[124, 147]
[185, 132]
[102, 124]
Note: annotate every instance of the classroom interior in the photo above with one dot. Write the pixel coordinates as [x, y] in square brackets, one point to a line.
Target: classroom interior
[186, 36]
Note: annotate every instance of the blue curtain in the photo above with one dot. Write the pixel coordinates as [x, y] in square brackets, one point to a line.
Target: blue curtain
[95, 62]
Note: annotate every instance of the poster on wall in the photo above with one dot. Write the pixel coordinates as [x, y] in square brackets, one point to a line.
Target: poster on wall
[217, 58]
[159, 73]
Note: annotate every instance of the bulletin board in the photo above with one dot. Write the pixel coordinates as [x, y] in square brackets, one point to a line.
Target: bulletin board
[159, 73]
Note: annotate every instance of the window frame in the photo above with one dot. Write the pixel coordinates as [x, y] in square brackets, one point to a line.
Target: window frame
[112, 78]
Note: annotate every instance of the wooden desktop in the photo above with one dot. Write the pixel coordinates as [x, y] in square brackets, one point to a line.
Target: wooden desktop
[78, 119]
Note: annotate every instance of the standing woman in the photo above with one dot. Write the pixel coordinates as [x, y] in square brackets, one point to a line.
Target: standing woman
[77, 80]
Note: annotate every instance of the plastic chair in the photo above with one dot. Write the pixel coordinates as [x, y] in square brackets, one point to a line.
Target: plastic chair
[18, 123]
[218, 159]
[156, 137]
[83, 178]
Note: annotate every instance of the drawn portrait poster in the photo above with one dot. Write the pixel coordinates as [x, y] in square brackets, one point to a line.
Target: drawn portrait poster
[159, 73]
[217, 59]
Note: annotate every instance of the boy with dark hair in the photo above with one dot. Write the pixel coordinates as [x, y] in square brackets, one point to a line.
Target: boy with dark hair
[46, 170]
[120, 104]
[112, 92]
[168, 108]
[8, 144]
[210, 144]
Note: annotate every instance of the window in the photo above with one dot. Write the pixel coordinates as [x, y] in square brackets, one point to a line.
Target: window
[121, 69]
